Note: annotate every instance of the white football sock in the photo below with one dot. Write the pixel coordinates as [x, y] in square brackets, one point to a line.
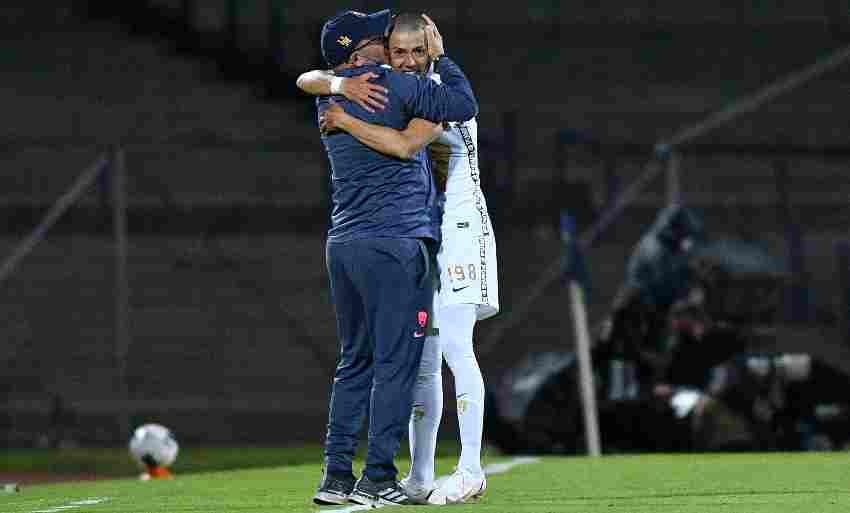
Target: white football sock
[427, 412]
[456, 326]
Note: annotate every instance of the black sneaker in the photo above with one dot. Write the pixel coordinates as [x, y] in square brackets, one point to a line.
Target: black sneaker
[334, 489]
[384, 493]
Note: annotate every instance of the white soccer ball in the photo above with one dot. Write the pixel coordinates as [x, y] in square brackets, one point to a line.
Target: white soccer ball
[153, 445]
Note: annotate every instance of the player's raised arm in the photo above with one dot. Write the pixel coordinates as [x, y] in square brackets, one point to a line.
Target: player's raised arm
[403, 144]
[358, 89]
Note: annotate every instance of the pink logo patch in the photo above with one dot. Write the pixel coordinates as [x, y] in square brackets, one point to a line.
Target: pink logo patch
[422, 317]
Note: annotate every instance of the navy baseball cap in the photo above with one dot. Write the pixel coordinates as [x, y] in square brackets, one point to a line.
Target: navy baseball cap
[341, 33]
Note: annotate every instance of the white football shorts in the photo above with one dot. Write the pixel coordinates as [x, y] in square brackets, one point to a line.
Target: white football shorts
[468, 265]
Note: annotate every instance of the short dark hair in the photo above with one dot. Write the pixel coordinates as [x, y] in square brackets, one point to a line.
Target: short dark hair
[406, 22]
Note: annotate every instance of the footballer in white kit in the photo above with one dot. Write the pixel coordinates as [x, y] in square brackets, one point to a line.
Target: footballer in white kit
[468, 292]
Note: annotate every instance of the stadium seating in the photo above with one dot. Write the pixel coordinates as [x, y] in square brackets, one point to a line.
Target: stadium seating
[185, 133]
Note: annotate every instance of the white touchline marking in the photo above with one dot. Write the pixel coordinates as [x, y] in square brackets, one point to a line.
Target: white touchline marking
[499, 468]
[88, 502]
[349, 509]
[73, 505]
[495, 468]
[54, 509]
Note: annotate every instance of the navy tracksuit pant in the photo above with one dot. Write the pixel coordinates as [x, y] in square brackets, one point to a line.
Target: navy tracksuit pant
[382, 292]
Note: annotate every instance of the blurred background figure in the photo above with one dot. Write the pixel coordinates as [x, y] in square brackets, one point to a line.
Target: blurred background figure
[657, 276]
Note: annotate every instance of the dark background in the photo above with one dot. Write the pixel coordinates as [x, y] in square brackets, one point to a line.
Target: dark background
[231, 334]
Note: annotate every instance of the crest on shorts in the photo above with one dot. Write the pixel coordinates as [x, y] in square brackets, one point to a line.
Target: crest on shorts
[344, 41]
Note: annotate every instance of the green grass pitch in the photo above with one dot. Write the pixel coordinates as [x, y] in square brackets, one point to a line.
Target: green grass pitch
[267, 480]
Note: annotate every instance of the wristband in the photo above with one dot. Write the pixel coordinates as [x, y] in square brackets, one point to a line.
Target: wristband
[336, 85]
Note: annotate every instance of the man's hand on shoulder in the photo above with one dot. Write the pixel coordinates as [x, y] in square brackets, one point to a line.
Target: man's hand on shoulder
[332, 118]
[359, 89]
[363, 92]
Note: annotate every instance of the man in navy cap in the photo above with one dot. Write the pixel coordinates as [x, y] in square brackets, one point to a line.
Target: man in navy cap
[379, 253]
